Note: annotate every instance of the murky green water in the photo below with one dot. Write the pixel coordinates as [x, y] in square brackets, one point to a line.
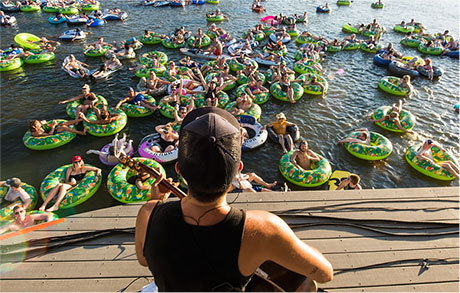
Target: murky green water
[33, 91]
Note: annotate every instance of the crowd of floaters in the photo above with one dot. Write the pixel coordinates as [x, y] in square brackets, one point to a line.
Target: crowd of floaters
[174, 89]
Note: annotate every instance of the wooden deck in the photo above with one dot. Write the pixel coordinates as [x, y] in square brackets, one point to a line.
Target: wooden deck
[392, 231]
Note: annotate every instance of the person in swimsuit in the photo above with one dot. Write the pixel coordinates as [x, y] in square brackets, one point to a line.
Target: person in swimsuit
[21, 220]
[243, 104]
[168, 139]
[118, 146]
[243, 183]
[352, 182]
[404, 82]
[73, 176]
[103, 116]
[216, 48]
[77, 67]
[255, 87]
[425, 154]
[286, 86]
[15, 191]
[393, 116]
[136, 98]
[280, 128]
[303, 157]
[87, 101]
[198, 39]
[36, 128]
[364, 137]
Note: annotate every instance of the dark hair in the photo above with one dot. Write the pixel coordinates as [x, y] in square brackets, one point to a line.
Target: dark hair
[17, 207]
[354, 179]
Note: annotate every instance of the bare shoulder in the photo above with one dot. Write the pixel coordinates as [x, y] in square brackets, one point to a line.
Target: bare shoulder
[263, 223]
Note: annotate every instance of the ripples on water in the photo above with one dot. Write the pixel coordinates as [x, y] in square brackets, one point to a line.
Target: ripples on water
[33, 90]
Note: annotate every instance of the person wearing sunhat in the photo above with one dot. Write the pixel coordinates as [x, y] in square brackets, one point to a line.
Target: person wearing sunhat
[216, 247]
[73, 176]
[15, 191]
[280, 128]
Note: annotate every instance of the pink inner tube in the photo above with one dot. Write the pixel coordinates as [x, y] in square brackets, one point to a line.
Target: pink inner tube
[269, 19]
[105, 149]
[143, 153]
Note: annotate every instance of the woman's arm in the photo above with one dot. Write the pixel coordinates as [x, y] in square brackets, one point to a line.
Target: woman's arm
[342, 184]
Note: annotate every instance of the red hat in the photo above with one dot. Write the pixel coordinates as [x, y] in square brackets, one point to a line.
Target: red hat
[76, 159]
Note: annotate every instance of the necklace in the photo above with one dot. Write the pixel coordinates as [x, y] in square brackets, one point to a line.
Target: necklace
[197, 221]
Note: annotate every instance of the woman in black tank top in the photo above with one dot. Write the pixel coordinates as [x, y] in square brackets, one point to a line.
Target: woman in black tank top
[73, 176]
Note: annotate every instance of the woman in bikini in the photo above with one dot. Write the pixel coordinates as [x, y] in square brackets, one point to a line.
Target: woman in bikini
[73, 176]
[87, 101]
[36, 128]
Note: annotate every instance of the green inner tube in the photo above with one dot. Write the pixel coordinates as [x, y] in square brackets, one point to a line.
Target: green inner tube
[312, 89]
[269, 74]
[406, 119]
[298, 55]
[351, 46]
[330, 48]
[390, 85]
[50, 9]
[412, 43]
[379, 149]
[166, 109]
[106, 129]
[222, 100]
[180, 71]
[364, 47]
[432, 50]
[343, 3]
[427, 168]
[96, 53]
[258, 37]
[69, 10]
[255, 110]
[146, 58]
[6, 212]
[30, 8]
[305, 67]
[212, 1]
[11, 64]
[170, 45]
[229, 84]
[138, 111]
[402, 29]
[346, 28]
[275, 90]
[237, 66]
[375, 5]
[215, 18]
[50, 141]
[205, 41]
[318, 175]
[72, 106]
[281, 52]
[259, 98]
[152, 39]
[90, 7]
[243, 79]
[39, 58]
[145, 72]
[75, 196]
[122, 190]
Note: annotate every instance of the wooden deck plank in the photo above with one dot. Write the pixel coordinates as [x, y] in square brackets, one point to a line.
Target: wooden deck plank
[394, 276]
[425, 287]
[76, 285]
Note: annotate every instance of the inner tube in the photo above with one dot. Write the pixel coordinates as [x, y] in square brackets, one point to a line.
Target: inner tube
[71, 35]
[76, 20]
[379, 148]
[350, 46]
[281, 52]
[284, 40]
[321, 9]
[437, 72]
[30, 8]
[10, 7]
[205, 41]
[72, 106]
[378, 60]
[152, 39]
[106, 129]
[91, 7]
[146, 58]
[453, 54]
[200, 101]
[75, 196]
[230, 84]
[293, 131]
[70, 72]
[258, 135]
[270, 19]
[422, 48]
[406, 118]
[50, 141]
[255, 110]
[6, 212]
[318, 175]
[343, 3]
[259, 98]
[398, 69]
[275, 90]
[10, 64]
[237, 66]
[125, 192]
[121, 16]
[38, 57]
[427, 168]
[161, 157]
[365, 47]
[346, 28]
[133, 110]
[215, 18]
[53, 20]
[95, 22]
[69, 10]
[412, 43]
[145, 72]
[27, 41]
[305, 67]
[390, 85]
[313, 89]
[376, 5]
[96, 53]
[170, 45]
[212, 1]
[105, 149]
[403, 29]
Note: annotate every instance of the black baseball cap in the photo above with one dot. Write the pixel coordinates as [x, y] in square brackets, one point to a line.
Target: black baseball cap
[209, 151]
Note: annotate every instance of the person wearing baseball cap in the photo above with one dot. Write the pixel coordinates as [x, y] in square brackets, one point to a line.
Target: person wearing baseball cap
[73, 176]
[16, 192]
[215, 247]
[87, 100]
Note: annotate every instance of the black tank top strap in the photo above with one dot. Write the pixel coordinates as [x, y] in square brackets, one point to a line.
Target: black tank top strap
[184, 257]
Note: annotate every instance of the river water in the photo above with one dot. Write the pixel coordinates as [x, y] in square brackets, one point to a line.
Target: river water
[32, 92]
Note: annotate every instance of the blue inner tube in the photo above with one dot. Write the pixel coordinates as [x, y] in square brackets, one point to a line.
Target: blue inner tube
[323, 10]
[397, 69]
[198, 2]
[453, 54]
[378, 60]
[96, 22]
